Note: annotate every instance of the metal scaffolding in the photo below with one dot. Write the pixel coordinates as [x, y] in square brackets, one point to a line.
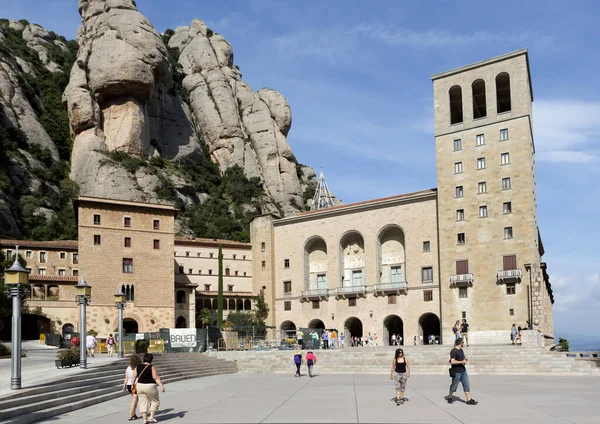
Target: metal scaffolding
[322, 198]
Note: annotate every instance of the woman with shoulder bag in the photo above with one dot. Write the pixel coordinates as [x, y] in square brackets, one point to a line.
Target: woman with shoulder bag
[146, 379]
[399, 375]
[128, 384]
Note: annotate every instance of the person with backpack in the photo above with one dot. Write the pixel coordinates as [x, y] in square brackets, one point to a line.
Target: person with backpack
[298, 362]
[456, 330]
[311, 360]
[110, 345]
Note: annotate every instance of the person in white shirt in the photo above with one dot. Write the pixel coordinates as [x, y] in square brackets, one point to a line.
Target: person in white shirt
[90, 342]
[393, 340]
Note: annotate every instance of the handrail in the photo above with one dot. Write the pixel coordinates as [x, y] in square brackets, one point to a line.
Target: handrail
[510, 273]
[461, 278]
[315, 292]
[351, 289]
[392, 286]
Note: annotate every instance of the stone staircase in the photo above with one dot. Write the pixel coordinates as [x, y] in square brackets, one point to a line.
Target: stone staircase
[424, 360]
[101, 384]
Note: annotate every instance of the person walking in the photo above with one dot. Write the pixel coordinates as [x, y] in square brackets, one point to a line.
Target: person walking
[134, 361]
[399, 374]
[458, 372]
[456, 330]
[298, 362]
[393, 342]
[342, 340]
[311, 360]
[513, 334]
[464, 331]
[90, 342]
[110, 345]
[146, 379]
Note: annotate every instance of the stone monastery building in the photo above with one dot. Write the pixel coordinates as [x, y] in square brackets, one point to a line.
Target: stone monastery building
[411, 264]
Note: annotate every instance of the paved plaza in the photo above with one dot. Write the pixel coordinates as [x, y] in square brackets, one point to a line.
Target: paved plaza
[258, 398]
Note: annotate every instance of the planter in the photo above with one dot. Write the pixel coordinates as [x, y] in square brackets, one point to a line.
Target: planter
[64, 363]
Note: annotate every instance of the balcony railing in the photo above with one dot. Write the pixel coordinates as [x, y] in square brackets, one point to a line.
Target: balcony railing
[342, 292]
[461, 280]
[314, 294]
[390, 288]
[509, 274]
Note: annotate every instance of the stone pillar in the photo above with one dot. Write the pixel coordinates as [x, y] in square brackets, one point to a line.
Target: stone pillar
[192, 308]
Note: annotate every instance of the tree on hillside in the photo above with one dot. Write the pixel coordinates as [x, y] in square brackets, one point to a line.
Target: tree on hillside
[220, 295]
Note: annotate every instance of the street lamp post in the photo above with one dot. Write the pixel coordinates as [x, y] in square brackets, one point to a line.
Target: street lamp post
[120, 301]
[83, 292]
[18, 278]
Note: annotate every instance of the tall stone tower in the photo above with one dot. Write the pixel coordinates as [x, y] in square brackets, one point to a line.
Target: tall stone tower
[490, 247]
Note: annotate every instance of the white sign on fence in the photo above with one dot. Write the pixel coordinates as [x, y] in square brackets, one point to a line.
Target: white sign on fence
[182, 337]
[139, 336]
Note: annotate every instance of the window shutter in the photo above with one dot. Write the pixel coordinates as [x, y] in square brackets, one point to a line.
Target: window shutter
[509, 262]
[462, 267]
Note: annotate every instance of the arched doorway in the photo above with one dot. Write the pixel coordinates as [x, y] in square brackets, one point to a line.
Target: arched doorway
[429, 325]
[393, 324]
[130, 325]
[34, 325]
[353, 328]
[180, 323]
[316, 324]
[288, 327]
[68, 328]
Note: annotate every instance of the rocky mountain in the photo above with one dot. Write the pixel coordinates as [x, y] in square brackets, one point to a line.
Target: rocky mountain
[144, 116]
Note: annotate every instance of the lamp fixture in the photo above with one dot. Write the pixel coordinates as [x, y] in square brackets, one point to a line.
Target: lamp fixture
[332, 316]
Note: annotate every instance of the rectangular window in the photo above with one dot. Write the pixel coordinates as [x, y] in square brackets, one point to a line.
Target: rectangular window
[480, 140]
[190, 271]
[230, 287]
[263, 246]
[75, 273]
[483, 213]
[427, 275]
[464, 314]
[506, 185]
[187, 254]
[316, 304]
[392, 299]
[352, 301]
[227, 271]
[462, 292]
[42, 257]
[510, 289]
[462, 267]
[234, 256]
[286, 263]
[287, 287]
[236, 273]
[128, 265]
[357, 278]
[460, 214]
[396, 274]
[509, 262]
[244, 257]
[212, 255]
[96, 219]
[287, 305]
[97, 239]
[263, 264]
[28, 254]
[9, 254]
[127, 222]
[42, 271]
[460, 238]
[321, 281]
[457, 144]
[244, 273]
[458, 191]
[511, 312]
[504, 134]
[480, 163]
[482, 187]
[207, 287]
[181, 271]
[458, 168]
[75, 258]
[210, 272]
[426, 246]
[62, 255]
[504, 158]
[156, 224]
[508, 232]
[427, 295]
[127, 242]
[507, 207]
[62, 272]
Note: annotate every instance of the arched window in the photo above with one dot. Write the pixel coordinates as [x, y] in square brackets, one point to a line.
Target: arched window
[180, 296]
[456, 110]
[479, 105]
[503, 92]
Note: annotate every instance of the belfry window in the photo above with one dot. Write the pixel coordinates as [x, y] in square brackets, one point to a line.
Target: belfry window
[456, 110]
[479, 107]
[503, 103]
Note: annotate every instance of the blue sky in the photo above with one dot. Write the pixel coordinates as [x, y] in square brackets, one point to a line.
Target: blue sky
[357, 77]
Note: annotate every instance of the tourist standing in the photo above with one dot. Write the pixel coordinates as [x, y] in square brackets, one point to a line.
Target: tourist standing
[315, 339]
[146, 379]
[513, 334]
[332, 338]
[299, 338]
[90, 342]
[393, 343]
[399, 374]
[298, 362]
[74, 341]
[134, 361]
[342, 340]
[311, 360]
[464, 331]
[399, 339]
[415, 340]
[325, 337]
[110, 345]
[456, 330]
[458, 372]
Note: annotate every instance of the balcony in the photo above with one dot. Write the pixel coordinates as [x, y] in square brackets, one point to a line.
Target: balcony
[461, 280]
[383, 289]
[314, 294]
[351, 291]
[509, 275]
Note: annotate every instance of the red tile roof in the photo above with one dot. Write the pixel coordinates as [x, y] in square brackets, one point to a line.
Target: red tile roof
[210, 242]
[55, 278]
[55, 244]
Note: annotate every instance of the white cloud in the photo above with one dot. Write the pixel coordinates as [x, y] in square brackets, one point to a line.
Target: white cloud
[567, 156]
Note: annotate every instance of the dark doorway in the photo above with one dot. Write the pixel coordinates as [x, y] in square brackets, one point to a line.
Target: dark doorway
[34, 325]
[316, 324]
[288, 328]
[393, 325]
[429, 325]
[130, 325]
[181, 323]
[353, 328]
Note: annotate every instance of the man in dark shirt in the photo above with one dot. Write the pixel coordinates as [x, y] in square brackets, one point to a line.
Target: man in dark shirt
[464, 331]
[458, 361]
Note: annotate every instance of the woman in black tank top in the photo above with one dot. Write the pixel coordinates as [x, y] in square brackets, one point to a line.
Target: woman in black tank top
[399, 374]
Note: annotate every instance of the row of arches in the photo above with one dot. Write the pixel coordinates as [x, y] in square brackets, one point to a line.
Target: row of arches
[228, 304]
[428, 325]
[503, 99]
[390, 251]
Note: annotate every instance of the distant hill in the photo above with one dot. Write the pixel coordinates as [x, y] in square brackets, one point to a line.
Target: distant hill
[580, 341]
